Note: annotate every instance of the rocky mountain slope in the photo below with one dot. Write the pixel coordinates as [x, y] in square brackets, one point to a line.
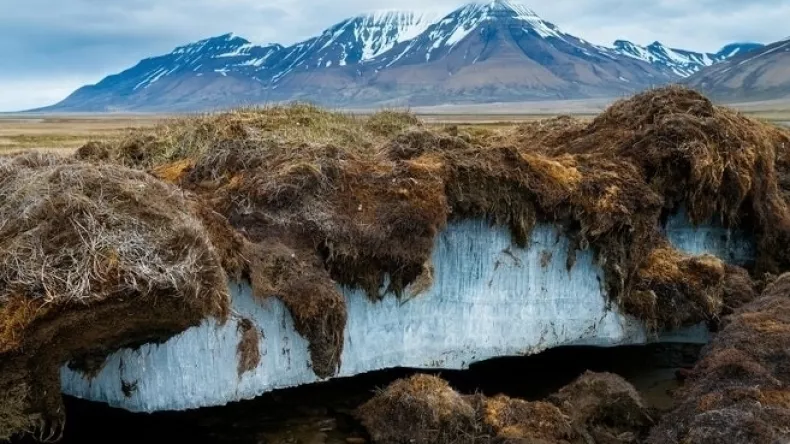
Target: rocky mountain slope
[491, 51]
[763, 74]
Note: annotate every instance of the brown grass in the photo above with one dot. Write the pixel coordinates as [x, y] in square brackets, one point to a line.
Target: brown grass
[509, 420]
[738, 392]
[597, 408]
[422, 409]
[63, 135]
[93, 258]
[604, 407]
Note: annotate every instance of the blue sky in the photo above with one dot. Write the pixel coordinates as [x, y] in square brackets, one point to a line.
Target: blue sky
[51, 47]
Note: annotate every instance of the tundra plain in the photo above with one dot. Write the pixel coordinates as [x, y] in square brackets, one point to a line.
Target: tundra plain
[67, 132]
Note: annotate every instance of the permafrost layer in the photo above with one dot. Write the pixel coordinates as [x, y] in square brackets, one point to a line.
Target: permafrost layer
[488, 299]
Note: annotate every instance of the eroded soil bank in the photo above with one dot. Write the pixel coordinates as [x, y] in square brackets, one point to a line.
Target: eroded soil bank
[324, 413]
[142, 236]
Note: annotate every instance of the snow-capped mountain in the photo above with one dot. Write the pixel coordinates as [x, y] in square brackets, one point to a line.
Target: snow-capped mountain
[442, 36]
[759, 74]
[484, 51]
[193, 75]
[218, 55]
[500, 50]
[352, 41]
[680, 61]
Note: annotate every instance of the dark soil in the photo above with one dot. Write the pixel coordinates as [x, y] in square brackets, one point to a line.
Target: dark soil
[324, 413]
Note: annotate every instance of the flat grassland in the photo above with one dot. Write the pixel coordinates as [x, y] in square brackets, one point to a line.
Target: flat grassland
[65, 133]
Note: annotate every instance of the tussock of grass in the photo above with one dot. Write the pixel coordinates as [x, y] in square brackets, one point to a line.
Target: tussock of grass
[421, 409]
[92, 258]
[509, 420]
[282, 128]
[597, 407]
[604, 407]
[107, 239]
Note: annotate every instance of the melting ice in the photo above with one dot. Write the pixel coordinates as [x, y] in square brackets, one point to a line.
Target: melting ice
[489, 299]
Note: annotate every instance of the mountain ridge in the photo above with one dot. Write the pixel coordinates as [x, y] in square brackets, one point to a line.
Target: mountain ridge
[761, 74]
[483, 51]
[682, 62]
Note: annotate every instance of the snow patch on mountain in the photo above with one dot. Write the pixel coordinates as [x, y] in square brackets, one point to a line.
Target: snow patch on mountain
[380, 31]
[680, 61]
[456, 26]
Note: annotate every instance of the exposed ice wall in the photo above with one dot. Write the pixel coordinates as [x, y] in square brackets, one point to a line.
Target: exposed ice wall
[732, 246]
[489, 298]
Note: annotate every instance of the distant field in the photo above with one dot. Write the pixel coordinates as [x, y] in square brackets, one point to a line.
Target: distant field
[65, 133]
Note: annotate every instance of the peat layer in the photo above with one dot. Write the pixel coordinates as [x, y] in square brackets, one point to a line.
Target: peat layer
[740, 391]
[134, 241]
[93, 257]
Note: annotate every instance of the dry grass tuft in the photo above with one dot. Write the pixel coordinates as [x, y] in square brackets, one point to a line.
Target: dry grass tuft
[93, 258]
[106, 240]
[605, 408]
[280, 127]
[422, 409]
[507, 420]
[597, 408]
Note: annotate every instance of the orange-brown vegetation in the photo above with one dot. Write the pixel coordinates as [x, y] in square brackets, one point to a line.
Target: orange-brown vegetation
[298, 200]
[740, 391]
[596, 408]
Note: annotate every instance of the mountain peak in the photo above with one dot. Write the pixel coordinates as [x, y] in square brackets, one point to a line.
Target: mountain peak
[499, 8]
[624, 44]
[736, 48]
[508, 5]
[384, 14]
[392, 54]
[471, 15]
[228, 37]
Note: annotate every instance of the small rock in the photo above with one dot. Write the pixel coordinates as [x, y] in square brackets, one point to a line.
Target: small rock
[327, 425]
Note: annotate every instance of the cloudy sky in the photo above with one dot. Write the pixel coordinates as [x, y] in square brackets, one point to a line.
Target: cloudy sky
[50, 47]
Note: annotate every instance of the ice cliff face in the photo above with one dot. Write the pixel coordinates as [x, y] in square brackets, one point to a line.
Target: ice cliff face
[488, 299]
